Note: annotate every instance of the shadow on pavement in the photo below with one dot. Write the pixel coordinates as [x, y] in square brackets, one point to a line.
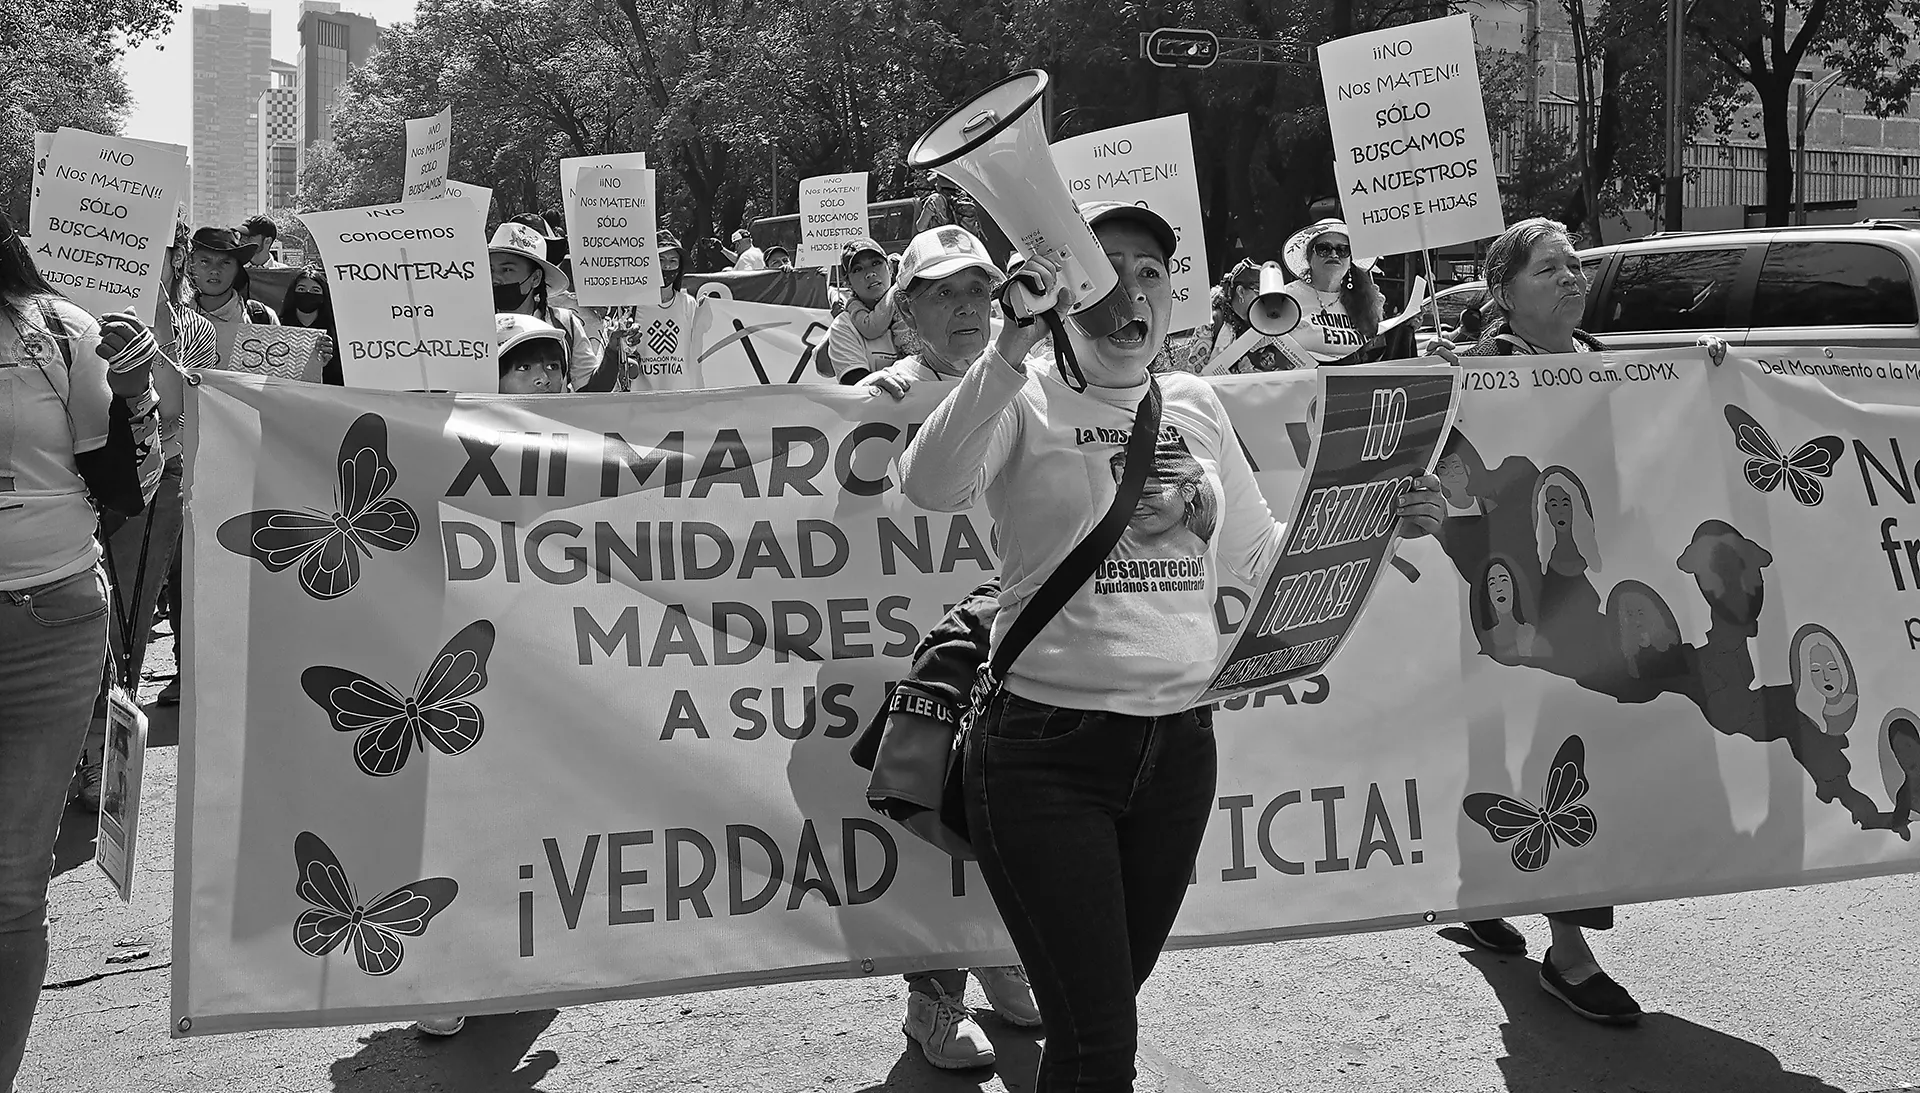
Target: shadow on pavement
[1019, 1056]
[163, 725]
[488, 1056]
[74, 847]
[1552, 1050]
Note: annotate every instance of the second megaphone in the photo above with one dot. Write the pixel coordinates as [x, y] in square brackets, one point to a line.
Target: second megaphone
[1274, 311]
[994, 146]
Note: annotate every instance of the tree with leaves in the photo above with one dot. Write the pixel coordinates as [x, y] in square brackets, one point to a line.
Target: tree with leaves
[1765, 44]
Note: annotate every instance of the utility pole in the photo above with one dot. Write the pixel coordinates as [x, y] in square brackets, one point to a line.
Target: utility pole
[773, 168]
[1676, 185]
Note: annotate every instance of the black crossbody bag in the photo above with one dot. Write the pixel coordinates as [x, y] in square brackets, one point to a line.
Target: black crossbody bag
[916, 745]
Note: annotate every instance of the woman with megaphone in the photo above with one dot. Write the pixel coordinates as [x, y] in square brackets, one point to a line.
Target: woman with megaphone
[1240, 338]
[1340, 306]
[1089, 766]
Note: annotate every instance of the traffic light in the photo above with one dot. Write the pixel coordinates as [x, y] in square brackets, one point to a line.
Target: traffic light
[1179, 47]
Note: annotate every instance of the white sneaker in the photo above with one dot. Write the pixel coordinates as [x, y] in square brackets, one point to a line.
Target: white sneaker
[1011, 996]
[947, 1034]
[440, 1026]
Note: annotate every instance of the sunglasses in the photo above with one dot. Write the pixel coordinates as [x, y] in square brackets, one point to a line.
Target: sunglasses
[1332, 250]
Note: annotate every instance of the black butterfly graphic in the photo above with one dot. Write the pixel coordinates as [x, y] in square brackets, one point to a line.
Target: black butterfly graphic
[1768, 467]
[327, 546]
[1560, 818]
[391, 725]
[337, 915]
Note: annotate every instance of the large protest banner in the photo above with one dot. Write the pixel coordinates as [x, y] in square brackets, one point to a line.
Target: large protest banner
[616, 259]
[411, 294]
[496, 704]
[1410, 146]
[1149, 163]
[105, 219]
[833, 213]
[429, 150]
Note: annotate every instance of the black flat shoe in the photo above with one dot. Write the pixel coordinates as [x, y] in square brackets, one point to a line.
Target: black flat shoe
[1596, 998]
[1496, 935]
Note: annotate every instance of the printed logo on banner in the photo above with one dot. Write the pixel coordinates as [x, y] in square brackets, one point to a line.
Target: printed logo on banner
[373, 929]
[1767, 467]
[1533, 829]
[327, 546]
[391, 726]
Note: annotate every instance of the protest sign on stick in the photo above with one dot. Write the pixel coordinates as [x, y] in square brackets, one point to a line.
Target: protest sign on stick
[833, 213]
[106, 218]
[429, 147]
[1410, 146]
[570, 177]
[480, 196]
[1381, 426]
[412, 295]
[616, 259]
[1148, 163]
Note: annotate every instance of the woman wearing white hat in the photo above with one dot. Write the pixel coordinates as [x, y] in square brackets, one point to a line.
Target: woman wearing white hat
[522, 281]
[1340, 306]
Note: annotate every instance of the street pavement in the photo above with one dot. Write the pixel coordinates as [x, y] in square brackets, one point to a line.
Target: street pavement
[1804, 990]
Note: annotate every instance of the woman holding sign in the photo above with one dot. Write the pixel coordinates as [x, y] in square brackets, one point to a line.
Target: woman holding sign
[1340, 306]
[1090, 769]
[79, 427]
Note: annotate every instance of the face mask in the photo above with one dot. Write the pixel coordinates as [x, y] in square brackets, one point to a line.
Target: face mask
[509, 297]
[306, 301]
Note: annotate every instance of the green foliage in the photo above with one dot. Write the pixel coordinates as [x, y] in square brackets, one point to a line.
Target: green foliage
[59, 67]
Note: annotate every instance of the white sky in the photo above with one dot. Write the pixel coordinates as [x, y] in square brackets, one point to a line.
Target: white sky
[160, 73]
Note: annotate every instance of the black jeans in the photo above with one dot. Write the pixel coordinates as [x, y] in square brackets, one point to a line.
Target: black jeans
[1087, 825]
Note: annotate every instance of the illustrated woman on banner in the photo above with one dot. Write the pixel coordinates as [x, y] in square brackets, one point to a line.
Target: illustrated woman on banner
[1824, 689]
[1506, 634]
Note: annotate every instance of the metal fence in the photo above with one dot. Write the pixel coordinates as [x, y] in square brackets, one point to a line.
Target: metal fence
[1737, 174]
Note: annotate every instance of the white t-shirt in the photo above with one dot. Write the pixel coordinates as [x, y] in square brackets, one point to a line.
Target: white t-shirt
[1325, 330]
[46, 416]
[1139, 638]
[751, 258]
[661, 349]
[848, 351]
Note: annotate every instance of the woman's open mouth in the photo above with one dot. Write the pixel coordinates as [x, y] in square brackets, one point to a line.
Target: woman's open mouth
[965, 331]
[1131, 335]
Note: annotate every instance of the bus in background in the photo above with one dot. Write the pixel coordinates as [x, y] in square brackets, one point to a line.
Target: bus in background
[889, 222]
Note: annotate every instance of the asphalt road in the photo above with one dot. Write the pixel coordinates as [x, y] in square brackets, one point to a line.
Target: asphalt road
[1809, 990]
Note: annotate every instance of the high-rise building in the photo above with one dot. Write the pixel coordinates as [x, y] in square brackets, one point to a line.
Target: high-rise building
[332, 42]
[279, 112]
[232, 59]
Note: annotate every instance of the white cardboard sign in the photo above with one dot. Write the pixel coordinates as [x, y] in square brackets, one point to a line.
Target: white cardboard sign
[833, 213]
[1410, 145]
[616, 259]
[105, 218]
[1148, 163]
[570, 176]
[411, 294]
[429, 148]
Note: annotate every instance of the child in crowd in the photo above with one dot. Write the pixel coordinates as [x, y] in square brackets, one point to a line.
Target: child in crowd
[533, 355]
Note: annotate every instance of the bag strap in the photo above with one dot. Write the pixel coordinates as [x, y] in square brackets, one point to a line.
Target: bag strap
[1082, 562]
[58, 329]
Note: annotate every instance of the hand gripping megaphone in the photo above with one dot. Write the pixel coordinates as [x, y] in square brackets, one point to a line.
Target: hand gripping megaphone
[994, 146]
[1274, 311]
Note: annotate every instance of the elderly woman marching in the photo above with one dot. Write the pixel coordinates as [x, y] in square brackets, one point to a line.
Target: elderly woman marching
[944, 294]
[1536, 294]
[1090, 772]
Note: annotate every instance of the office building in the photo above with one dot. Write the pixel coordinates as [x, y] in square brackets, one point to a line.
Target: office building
[332, 43]
[279, 112]
[232, 59]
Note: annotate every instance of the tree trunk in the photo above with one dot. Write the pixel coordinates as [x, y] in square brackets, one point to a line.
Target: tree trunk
[1775, 124]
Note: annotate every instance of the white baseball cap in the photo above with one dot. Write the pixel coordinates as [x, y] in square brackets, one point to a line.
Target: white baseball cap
[511, 329]
[943, 252]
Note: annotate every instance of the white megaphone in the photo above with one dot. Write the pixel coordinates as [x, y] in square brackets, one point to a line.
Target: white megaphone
[994, 146]
[1274, 311]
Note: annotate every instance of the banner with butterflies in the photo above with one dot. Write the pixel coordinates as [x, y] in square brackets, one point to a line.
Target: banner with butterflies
[499, 703]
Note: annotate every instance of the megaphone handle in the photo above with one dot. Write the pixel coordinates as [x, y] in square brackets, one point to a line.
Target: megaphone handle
[1063, 351]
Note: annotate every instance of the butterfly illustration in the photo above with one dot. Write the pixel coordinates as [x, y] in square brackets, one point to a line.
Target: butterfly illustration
[1536, 830]
[327, 546]
[338, 917]
[1767, 467]
[392, 725]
